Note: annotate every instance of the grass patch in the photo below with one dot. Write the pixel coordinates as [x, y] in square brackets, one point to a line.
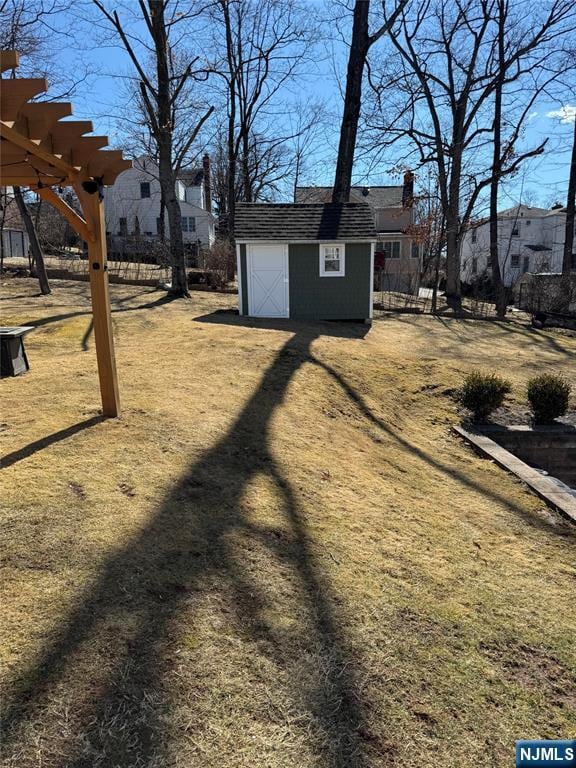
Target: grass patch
[279, 555]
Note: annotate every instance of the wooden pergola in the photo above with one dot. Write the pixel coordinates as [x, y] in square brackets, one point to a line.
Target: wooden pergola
[41, 151]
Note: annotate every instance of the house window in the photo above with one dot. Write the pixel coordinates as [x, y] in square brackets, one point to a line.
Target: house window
[526, 265]
[515, 231]
[144, 189]
[415, 250]
[123, 226]
[188, 224]
[515, 260]
[332, 261]
[474, 235]
[545, 266]
[474, 265]
[390, 248]
[528, 222]
[573, 264]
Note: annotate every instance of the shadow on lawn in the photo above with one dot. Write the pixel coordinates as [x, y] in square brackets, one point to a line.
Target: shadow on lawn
[164, 299]
[353, 329]
[45, 442]
[187, 550]
[146, 585]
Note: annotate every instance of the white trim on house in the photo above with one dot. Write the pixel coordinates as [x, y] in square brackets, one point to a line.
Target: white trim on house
[239, 273]
[287, 277]
[372, 249]
[341, 258]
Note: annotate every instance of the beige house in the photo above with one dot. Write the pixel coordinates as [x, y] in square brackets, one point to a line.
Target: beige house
[397, 259]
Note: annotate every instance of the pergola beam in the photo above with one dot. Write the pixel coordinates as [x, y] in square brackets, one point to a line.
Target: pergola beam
[15, 93]
[73, 218]
[34, 148]
[9, 60]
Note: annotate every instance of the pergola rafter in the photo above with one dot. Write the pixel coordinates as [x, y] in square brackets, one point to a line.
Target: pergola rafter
[41, 151]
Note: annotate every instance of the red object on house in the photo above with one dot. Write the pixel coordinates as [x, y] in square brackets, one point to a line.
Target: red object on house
[379, 259]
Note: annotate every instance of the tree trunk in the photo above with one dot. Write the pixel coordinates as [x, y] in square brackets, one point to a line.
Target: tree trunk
[177, 258]
[162, 219]
[352, 102]
[231, 202]
[246, 181]
[499, 289]
[570, 209]
[453, 297]
[453, 231]
[231, 193]
[37, 256]
[164, 140]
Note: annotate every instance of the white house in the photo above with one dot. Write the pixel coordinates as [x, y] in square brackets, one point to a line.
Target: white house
[529, 240]
[133, 204]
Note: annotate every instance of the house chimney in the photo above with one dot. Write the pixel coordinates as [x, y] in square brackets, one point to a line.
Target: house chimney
[408, 190]
[207, 182]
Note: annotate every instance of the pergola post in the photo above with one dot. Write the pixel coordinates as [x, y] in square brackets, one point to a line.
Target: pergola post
[41, 152]
[93, 208]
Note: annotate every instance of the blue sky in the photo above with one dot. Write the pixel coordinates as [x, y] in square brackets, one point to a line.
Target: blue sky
[542, 180]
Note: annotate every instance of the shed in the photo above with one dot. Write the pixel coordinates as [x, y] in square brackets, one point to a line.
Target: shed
[306, 261]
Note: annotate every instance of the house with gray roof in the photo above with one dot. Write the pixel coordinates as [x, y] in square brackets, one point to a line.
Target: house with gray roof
[398, 259]
[306, 261]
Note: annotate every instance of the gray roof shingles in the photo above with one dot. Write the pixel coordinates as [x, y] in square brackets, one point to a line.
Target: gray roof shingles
[289, 222]
[376, 197]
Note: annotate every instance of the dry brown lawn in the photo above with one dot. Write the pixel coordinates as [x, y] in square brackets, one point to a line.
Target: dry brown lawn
[280, 556]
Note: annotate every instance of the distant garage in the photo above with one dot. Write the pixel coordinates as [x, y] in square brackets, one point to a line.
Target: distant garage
[306, 261]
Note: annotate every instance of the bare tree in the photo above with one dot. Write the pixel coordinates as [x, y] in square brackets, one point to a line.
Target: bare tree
[37, 256]
[161, 88]
[362, 41]
[443, 91]
[265, 44]
[570, 210]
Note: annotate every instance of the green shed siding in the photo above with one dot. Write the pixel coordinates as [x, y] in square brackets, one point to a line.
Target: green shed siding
[329, 298]
[244, 281]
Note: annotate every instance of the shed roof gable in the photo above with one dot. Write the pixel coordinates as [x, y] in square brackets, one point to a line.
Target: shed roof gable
[289, 222]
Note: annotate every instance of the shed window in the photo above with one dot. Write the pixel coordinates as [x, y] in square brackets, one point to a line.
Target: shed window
[332, 261]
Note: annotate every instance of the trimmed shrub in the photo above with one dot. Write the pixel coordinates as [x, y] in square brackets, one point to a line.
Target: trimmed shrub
[548, 395]
[482, 393]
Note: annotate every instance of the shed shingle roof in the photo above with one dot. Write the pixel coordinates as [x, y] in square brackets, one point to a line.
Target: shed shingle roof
[290, 222]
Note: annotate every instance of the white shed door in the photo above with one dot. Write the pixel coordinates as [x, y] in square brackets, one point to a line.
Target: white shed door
[268, 280]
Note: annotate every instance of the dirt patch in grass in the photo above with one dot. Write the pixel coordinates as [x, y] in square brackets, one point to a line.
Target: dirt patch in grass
[534, 668]
[279, 555]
